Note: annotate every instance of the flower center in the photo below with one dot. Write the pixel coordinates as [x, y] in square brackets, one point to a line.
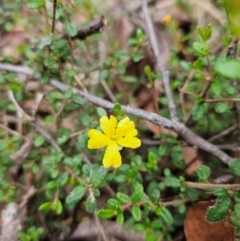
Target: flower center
[114, 137]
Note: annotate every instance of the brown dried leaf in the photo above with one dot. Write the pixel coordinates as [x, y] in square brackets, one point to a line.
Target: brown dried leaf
[197, 228]
[189, 154]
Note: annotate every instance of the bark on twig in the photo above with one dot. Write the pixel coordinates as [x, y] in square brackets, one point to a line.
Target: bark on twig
[160, 65]
[189, 136]
[178, 127]
[94, 27]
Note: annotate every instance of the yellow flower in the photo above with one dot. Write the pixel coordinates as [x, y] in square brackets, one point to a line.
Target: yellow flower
[166, 19]
[115, 136]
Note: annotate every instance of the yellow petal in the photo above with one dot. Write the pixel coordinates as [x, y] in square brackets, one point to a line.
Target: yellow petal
[129, 141]
[108, 125]
[124, 127]
[112, 156]
[97, 139]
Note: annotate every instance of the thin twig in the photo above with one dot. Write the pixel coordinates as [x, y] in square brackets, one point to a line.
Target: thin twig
[223, 133]
[94, 27]
[54, 15]
[210, 186]
[35, 122]
[179, 128]
[222, 100]
[160, 65]
[7, 129]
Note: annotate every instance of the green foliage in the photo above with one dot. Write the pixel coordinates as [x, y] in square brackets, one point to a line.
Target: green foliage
[234, 165]
[75, 195]
[218, 212]
[232, 8]
[205, 33]
[203, 173]
[228, 68]
[32, 234]
[97, 176]
[149, 175]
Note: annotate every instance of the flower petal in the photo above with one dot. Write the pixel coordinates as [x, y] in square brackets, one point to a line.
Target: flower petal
[97, 139]
[108, 125]
[112, 156]
[124, 127]
[129, 141]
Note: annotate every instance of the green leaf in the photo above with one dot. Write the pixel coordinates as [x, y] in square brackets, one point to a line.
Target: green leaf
[205, 33]
[129, 79]
[172, 182]
[164, 147]
[139, 227]
[58, 207]
[106, 213]
[68, 93]
[120, 218]
[54, 172]
[221, 192]
[49, 120]
[101, 112]
[200, 48]
[218, 212]
[176, 155]
[235, 215]
[76, 195]
[233, 12]
[71, 29]
[86, 170]
[192, 194]
[157, 224]
[138, 193]
[103, 74]
[166, 215]
[54, 185]
[62, 179]
[90, 205]
[36, 4]
[140, 34]
[98, 175]
[216, 88]
[71, 72]
[137, 57]
[236, 197]
[63, 136]
[199, 110]
[198, 64]
[49, 62]
[136, 213]
[38, 141]
[228, 68]
[45, 41]
[120, 178]
[78, 99]
[221, 107]
[234, 165]
[55, 94]
[45, 206]
[121, 69]
[117, 110]
[123, 198]
[133, 42]
[150, 236]
[203, 172]
[113, 203]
